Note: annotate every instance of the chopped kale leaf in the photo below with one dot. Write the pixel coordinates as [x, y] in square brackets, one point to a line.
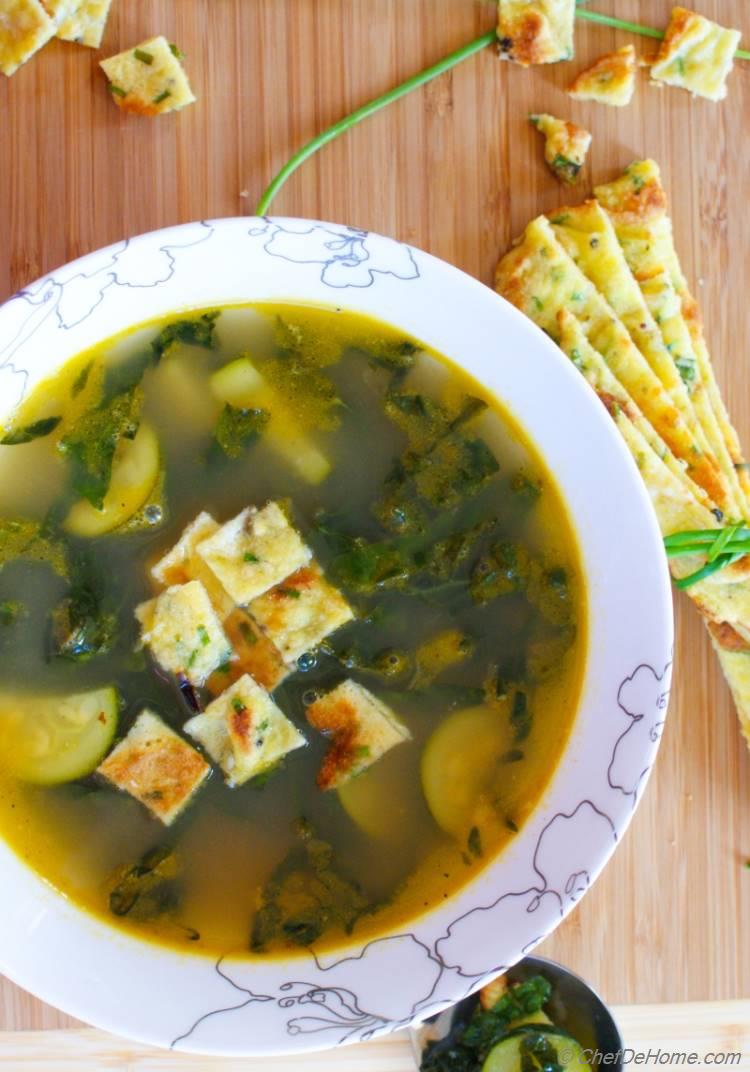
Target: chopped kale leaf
[305, 897]
[84, 624]
[90, 446]
[198, 331]
[443, 558]
[397, 356]
[365, 567]
[10, 611]
[454, 469]
[502, 571]
[23, 538]
[29, 432]
[79, 383]
[149, 889]
[237, 428]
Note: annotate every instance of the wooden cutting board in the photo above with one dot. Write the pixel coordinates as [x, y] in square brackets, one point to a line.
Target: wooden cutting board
[455, 169]
[653, 1031]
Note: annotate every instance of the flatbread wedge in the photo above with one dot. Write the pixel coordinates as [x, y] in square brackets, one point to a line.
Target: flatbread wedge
[540, 278]
[587, 233]
[637, 205]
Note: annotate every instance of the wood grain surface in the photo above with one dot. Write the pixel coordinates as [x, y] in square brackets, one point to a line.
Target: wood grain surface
[701, 1028]
[455, 169]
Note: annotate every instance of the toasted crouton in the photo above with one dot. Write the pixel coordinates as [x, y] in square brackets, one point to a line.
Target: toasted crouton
[82, 21]
[611, 80]
[156, 767]
[300, 612]
[148, 79]
[244, 731]
[254, 654]
[696, 54]
[536, 31]
[253, 552]
[24, 28]
[491, 993]
[184, 632]
[182, 564]
[362, 727]
[565, 146]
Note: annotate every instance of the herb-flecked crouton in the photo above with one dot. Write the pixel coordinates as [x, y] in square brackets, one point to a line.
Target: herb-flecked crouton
[156, 767]
[362, 729]
[148, 79]
[244, 732]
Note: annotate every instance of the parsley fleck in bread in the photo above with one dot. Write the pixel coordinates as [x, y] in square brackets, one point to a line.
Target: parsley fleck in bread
[24, 28]
[565, 146]
[611, 80]
[536, 31]
[148, 79]
[696, 55]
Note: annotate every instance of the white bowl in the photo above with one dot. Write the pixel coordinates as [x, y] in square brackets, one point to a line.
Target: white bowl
[269, 1007]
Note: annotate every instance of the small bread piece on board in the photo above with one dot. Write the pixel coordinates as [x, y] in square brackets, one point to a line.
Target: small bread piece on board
[253, 552]
[148, 79]
[536, 31]
[696, 54]
[362, 727]
[610, 80]
[301, 612]
[565, 146]
[244, 731]
[25, 27]
[82, 21]
[156, 767]
[183, 632]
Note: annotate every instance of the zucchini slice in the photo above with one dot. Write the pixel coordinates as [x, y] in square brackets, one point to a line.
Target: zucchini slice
[135, 471]
[48, 740]
[458, 766]
[240, 384]
[528, 1049]
[384, 800]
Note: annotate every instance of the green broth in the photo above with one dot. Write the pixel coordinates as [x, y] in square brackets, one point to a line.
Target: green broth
[231, 841]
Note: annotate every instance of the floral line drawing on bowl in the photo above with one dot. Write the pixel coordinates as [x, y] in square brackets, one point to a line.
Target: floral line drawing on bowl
[349, 257]
[563, 878]
[251, 998]
[643, 697]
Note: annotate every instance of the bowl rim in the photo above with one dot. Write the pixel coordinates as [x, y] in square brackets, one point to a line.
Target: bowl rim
[295, 255]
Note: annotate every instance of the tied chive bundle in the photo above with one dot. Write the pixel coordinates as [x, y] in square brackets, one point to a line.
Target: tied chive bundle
[721, 547]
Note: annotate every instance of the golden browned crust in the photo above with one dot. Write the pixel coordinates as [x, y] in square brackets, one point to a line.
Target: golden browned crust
[338, 719]
[727, 637]
[255, 654]
[167, 764]
[526, 45]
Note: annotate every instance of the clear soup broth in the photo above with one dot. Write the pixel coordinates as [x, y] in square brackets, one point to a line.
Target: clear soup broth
[426, 509]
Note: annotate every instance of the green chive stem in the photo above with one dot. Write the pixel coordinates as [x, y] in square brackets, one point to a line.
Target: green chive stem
[369, 109]
[634, 27]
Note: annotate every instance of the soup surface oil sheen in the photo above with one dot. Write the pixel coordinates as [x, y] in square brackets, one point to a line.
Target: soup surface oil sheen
[427, 509]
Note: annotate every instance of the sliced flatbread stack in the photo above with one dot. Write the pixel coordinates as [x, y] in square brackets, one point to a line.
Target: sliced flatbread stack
[604, 281]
